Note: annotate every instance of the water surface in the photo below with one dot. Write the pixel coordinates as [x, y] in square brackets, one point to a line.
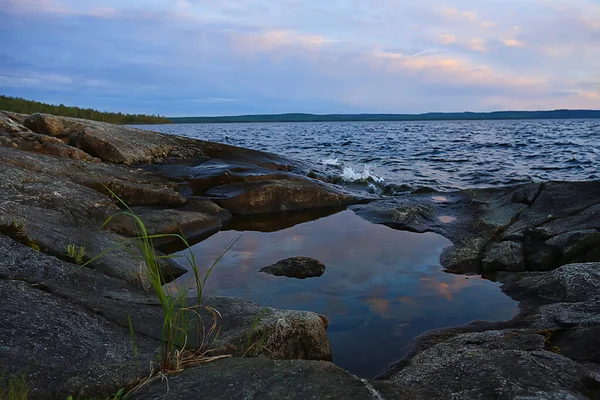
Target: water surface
[443, 155]
[381, 288]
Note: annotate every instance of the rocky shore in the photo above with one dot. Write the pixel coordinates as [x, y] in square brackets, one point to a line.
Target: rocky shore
[68, 329]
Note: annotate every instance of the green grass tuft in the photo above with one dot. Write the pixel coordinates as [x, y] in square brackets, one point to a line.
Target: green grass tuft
[182, 323]
[14, 388]
[76, 254]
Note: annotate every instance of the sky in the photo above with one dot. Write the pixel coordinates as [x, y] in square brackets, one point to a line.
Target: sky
[224, 57]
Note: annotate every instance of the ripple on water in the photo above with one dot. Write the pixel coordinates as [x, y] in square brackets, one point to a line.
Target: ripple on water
[481, 153]
[382, 287]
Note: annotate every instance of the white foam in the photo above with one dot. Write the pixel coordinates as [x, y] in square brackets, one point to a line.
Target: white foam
[330, 161]
[350, 175]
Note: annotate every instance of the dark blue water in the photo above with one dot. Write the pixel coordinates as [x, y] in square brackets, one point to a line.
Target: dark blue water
[443, 155]
[381, 288]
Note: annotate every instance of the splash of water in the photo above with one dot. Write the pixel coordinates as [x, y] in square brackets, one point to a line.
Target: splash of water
[350, 175]
[331, 161]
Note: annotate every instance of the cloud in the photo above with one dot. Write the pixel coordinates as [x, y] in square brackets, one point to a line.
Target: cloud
[478, 45]
[446, 39]
[306, 55]
[453, 14]
[512, 43]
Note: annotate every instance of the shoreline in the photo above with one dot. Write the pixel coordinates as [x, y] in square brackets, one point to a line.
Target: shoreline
[540, 239]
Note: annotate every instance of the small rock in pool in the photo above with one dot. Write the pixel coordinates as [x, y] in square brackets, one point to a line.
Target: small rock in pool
[296, 267]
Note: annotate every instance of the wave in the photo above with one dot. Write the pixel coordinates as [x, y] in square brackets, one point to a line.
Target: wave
[331, 161]
[350, 175]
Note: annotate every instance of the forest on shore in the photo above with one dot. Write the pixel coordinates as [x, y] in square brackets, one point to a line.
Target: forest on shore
[23, 106]
[461, 116]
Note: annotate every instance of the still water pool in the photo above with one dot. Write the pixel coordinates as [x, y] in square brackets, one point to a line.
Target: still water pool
[381, 288]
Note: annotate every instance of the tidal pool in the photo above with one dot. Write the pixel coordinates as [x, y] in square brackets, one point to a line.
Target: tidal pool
[381, 288]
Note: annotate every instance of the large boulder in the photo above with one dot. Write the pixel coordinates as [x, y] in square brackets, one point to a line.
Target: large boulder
[276, 196]
[112, 143]
[251, 330]
[16, 136]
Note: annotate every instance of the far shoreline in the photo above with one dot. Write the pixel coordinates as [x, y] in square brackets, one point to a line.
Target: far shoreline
[462, 116]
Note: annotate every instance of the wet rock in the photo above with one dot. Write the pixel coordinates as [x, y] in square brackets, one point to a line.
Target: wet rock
[575, 245]
[495, 364]
[201, 178]
[240, 378]
[274, 222]
[276, 196]
[296, 267]
[579, 344]
[464, 256]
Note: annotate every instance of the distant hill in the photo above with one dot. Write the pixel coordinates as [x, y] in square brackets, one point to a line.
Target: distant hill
[555, 114]
[19, 105]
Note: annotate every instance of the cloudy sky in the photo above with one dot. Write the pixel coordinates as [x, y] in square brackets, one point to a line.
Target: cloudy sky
[220, 57]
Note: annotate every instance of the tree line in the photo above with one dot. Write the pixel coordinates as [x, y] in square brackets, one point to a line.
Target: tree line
[461, 116]
[23, 106]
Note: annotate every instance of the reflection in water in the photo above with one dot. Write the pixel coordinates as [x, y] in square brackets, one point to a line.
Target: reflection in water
[446, 219]
[381, 288]
[439, 199]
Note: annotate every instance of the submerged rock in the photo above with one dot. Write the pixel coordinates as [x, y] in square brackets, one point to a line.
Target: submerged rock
[296, 267]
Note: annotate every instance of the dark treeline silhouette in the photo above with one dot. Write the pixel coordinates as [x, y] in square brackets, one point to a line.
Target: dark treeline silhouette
[296, 117]
[19, 105]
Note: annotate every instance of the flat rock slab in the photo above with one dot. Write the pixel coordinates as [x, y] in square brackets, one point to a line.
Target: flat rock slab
[62, 348]
[242, 378]
[52, 212]
[496, 365]
[296, 267]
